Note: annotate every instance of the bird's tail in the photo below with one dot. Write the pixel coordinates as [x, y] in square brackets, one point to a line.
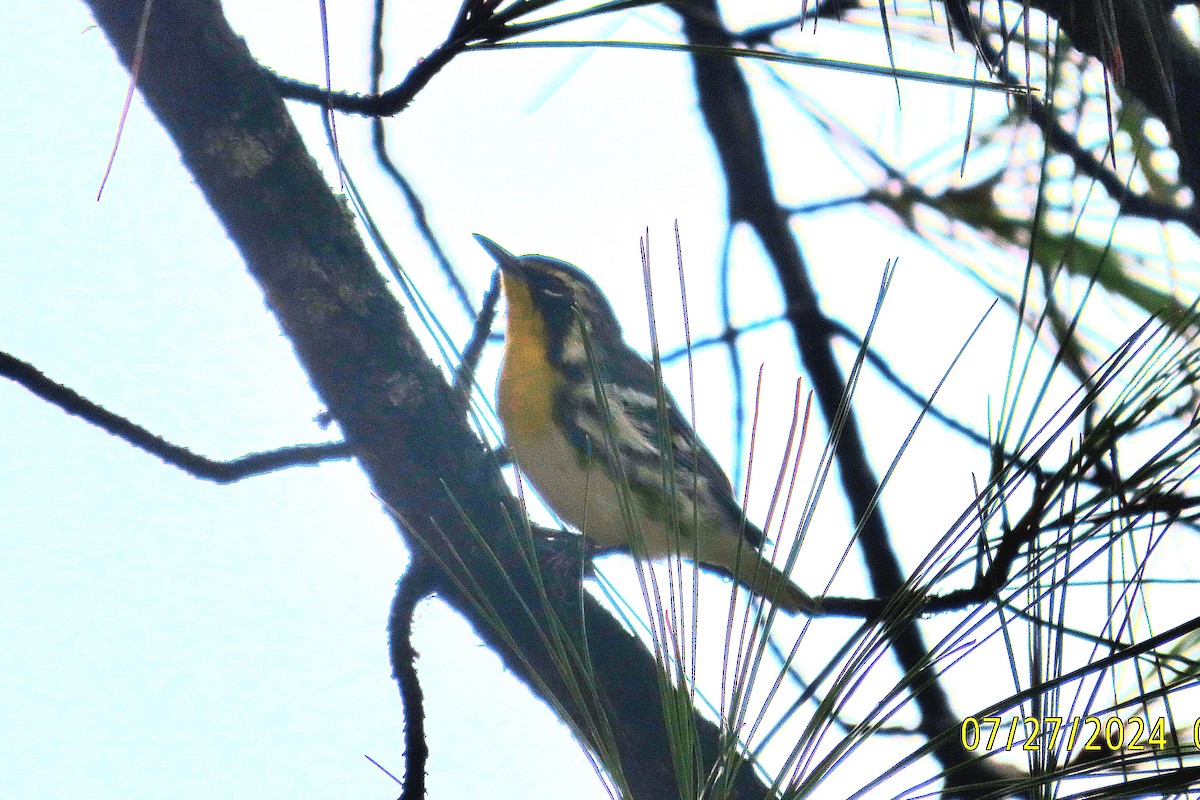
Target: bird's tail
[762, 578]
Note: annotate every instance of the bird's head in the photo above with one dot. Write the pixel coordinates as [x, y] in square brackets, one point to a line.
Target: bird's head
[560, 293]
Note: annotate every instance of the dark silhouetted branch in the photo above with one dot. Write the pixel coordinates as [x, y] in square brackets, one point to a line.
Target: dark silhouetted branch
[414, 586]
[195, 465]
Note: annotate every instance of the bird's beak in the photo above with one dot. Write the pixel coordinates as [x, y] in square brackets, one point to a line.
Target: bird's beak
[508, 263]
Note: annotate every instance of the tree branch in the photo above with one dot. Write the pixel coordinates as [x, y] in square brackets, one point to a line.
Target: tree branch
[1065, 142]
[729, 113]
[197, 466]
[415, 585]
[399, 415]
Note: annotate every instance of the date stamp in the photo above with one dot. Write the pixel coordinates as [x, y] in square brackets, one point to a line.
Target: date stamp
[1106, 733]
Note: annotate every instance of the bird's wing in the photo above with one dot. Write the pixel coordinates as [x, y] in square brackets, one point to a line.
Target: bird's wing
[630, 414]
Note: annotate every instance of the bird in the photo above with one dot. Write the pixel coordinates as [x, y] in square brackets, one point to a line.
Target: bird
[589, 424]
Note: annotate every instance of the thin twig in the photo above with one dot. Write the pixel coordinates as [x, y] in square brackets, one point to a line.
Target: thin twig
[197, 466]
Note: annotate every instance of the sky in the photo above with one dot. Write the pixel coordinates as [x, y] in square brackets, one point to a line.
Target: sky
[167, 637]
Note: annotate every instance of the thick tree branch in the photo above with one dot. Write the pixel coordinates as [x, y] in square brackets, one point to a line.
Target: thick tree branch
[236, 139]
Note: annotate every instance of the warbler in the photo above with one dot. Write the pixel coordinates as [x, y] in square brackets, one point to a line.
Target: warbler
[580, 410]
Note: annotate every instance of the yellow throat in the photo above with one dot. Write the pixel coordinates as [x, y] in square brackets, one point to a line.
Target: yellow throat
[527, 381]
